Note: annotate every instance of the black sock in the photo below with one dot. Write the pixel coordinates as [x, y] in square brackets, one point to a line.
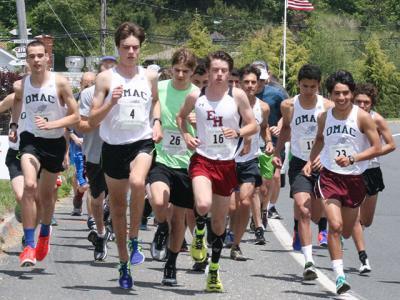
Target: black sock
[171, 261]
[163, 227]
[147, 208]
[322, 224]
[362, 255]
[200, 221]
[217, 245]
[296, 225]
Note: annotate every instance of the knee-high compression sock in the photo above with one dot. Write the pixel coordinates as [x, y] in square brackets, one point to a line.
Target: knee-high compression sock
[322, 224]
[296, 225]
[163, 227]
[362, 255]
[171, 257]
[29, 234]
[147, 208]
[200, 221]
[217, 245]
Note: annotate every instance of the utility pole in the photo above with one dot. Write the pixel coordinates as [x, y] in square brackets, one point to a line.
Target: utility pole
[21, 15]
[103, 24]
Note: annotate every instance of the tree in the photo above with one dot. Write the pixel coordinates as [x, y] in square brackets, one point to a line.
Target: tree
[199, 38]
[266, 44]
[377, 69]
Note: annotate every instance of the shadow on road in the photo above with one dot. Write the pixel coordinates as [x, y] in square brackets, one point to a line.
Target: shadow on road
[24, 274]
[89, 288]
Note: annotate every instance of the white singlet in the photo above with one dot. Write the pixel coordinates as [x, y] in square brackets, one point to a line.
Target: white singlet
[255, 141]
[304, 127]
[211, 117]
[129, 120]
[44, 102]
[343, 137]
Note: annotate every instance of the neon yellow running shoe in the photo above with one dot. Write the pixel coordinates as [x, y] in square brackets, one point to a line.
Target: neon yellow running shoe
[198, 249]
[214, 284]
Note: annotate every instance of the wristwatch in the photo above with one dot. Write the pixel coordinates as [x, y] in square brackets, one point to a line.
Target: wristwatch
[351, 159]
[157, 119]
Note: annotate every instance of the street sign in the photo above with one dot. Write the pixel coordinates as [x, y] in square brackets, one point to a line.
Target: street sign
[21, 41]
[21, 49]
[20, 55]
[18, 62]
[16, 32]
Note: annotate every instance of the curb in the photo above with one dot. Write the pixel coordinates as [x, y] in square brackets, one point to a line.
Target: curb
[8, 227]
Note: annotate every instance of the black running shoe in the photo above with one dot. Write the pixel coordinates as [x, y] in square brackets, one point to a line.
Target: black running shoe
[91, 223]
[264, 218]
[169, 275]
[92, 236]
[259, 233]
[273, 214]
[158, 247]
[201, 266]
[100, 249]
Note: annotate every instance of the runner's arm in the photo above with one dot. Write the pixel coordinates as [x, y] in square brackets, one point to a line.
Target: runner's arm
[156, 107]
[386, 133]
[284, 135]
[246, 112]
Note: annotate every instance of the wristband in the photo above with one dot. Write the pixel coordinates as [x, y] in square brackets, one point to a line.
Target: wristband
[13, 125]
[351, 159]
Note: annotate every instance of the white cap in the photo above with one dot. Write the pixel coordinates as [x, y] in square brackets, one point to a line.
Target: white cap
[264, 74]
[154, 67]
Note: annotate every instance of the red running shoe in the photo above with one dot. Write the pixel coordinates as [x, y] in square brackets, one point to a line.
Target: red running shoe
[43, 247]
[27, 258]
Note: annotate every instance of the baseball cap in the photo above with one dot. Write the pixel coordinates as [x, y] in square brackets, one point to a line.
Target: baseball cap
[108, 57]
[154, 67]
[263, 67]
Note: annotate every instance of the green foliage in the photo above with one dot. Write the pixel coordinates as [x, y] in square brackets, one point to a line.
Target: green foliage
[266, 44]
[199, 38]
[376, 68]
[7, 199]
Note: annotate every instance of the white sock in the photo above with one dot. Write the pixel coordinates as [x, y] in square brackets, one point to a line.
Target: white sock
[307, 252]
[270, 205]
[337, 265]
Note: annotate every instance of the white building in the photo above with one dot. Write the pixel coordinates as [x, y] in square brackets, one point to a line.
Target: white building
[5, 59]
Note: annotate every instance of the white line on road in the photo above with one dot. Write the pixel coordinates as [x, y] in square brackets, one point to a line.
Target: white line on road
[285, 240]
[396, 134]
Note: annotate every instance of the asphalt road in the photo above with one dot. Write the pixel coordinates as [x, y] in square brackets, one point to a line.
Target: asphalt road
[272, 270]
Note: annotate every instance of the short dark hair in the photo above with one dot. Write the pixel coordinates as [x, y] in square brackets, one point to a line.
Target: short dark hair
[200, 68]
[249, 69]
[341, 76]
[308, 71]
[222, 55]
[36, 43]
[235, 72]
[184, 56]
[127, 29]
[367, 89]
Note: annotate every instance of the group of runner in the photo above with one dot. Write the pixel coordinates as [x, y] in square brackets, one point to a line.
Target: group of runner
[207, 145]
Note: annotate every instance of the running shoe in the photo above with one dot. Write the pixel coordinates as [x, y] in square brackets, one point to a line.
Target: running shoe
[100, 248]
[264, 219]
[158, 249]
[214, 283]
[125, 278]
[27, 258]
[259, 233]
[169, 278]
[43, 246]
[365, 267]
[310, 273]
[198, 249]
[23, 242]
[91, 223]
[323, 238]
[76, 212]
[229, 237]
[137, 255]
[273, 214]
[342, 286]
[201, 266]
[237, 254]
[54, 221]
[92, 236]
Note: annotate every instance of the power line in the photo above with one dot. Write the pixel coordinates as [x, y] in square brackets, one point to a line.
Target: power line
[83, 31]
[62, 25]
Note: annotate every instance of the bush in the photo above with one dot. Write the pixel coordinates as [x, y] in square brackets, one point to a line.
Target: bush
[7, 199]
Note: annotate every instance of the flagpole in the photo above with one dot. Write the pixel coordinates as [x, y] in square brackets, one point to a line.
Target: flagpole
[284, 45]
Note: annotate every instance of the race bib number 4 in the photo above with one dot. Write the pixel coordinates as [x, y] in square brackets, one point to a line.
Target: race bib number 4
[173, 142]
[131, 116]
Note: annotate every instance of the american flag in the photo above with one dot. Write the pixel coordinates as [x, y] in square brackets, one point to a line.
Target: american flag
[300, 5]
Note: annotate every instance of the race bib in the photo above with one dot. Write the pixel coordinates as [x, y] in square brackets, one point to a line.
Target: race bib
[340, 150]
[48, 116]
[306, 143]
[173, 142]
[217, 143]
[131, 116]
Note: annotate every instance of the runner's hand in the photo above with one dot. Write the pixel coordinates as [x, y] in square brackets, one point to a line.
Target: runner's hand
[117, 94]
[42, 123]
[13, 136]
[157, 132]
[275, 130]
[277, 162]
[246, 146]
[269, 148]
[191, 142]
[342, 161]
[316, 164]
[307, 169]
[229, 133]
